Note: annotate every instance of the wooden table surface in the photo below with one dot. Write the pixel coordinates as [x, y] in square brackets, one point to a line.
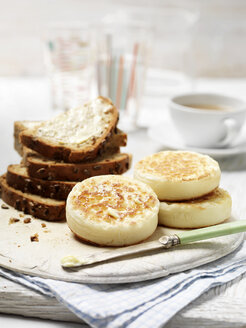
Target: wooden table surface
[220, 307]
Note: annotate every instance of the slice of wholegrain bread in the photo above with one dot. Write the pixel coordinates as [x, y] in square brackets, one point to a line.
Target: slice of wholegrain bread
[42, 168]
[76, 135]
[29, 152]
[18, 178]
[20, 126]
[39, 207]
[118, 138]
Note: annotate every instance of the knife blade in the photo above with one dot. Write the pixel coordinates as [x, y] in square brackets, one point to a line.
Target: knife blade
[164, 242]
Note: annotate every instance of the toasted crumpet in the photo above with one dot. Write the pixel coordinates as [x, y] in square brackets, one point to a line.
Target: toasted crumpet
[112, 210]
[211, 209]
[178, 175]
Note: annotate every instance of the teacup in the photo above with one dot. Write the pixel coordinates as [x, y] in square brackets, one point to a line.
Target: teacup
[207, 120]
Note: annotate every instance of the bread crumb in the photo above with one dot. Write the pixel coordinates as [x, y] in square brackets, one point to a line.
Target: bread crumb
[21, 215]
[10, 261]
[13, 220]
[27, 220]
[34, 237]
[4, 207]
[43, 225]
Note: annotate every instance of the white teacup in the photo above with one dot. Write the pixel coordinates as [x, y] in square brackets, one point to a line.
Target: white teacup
[207, 120]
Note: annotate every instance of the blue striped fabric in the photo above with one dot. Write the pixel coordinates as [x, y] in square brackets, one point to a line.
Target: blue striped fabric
[142, 304]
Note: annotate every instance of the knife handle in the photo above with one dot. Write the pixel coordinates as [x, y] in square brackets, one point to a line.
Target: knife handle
[229, 228]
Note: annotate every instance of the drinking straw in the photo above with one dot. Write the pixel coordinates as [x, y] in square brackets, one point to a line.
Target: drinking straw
[103, 77]
[98, 78]
[114, 74]
[132, 76]
[109, 61]
[124, 85]
[120, 82]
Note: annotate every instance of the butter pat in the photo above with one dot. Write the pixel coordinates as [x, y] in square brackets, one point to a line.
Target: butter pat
[71, 261]
[113, 213]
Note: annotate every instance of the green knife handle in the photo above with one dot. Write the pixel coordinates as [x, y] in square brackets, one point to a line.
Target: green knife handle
[211, 232]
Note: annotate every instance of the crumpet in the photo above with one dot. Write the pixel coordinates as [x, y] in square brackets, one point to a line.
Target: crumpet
[211, 209]
[178, 175]
[112, 210]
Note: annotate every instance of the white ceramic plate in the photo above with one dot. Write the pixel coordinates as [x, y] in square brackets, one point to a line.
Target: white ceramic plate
[166, 134]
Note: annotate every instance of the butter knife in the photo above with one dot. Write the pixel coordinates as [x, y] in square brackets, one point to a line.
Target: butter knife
[164, 242]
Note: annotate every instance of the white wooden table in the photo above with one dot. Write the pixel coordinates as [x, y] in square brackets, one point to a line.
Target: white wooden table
[220, 307]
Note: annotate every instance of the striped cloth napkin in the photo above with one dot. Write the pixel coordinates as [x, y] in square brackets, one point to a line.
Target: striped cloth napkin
[142, 304]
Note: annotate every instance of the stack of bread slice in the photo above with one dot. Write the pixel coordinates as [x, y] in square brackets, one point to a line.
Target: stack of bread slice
[58, 153]
[187, 185]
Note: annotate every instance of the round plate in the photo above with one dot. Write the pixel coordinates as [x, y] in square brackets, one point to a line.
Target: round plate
[55, 240]
[166, 134]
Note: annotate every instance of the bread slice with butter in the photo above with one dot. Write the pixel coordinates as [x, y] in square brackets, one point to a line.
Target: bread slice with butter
[17, 177]
[76, 135]
[113, 144]
[208, 210]
[112, 210]
[179, 175]
[39, 207]
[42, 168]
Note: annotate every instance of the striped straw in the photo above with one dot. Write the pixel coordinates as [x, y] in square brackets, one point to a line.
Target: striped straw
[120, 82]
[132, 76]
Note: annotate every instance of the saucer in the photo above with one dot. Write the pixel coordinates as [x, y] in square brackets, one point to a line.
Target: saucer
[166, 134]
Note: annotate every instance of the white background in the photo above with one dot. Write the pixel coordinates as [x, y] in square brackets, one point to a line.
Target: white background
[219, 44]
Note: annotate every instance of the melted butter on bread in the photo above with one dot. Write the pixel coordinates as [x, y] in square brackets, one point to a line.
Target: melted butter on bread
[77, 125]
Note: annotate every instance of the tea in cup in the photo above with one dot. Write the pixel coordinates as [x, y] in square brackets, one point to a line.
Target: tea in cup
[207, 120]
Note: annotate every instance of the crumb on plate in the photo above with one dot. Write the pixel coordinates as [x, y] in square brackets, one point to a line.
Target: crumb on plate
[13, 220]
[34, 237]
